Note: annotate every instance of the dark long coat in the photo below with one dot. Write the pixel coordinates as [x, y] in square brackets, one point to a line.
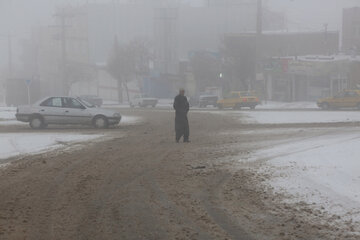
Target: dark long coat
[181, 106]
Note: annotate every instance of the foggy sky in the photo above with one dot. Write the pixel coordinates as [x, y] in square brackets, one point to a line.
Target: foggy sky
[19, 16]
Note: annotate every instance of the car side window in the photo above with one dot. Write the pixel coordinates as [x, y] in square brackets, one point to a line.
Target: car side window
[76, 104]
[52, 102]
[72, 103]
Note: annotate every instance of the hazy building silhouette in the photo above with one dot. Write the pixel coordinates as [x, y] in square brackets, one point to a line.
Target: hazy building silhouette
[351, 30]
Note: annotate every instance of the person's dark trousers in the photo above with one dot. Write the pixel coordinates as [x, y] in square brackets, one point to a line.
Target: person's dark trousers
[182, 127]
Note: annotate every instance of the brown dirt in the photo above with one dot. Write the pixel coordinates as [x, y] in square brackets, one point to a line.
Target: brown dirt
[145, 186]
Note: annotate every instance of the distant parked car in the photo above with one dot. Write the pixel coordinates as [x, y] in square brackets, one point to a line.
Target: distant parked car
[207, 99]
[94, 100]
[344, 99]
[66, 110]
[238, 100]
[143, 101]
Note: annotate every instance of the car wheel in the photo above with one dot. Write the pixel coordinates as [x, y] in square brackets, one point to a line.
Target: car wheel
[154, 105]
[101, 122]
[252, 107]
[325, 106]
[358, 106]
[36, 122]
[220, 106]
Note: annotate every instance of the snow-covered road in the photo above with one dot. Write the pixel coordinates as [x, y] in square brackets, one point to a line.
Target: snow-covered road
[323, 170]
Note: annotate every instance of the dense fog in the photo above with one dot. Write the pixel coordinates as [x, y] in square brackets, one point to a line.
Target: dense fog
[180, 119]
[172, 37]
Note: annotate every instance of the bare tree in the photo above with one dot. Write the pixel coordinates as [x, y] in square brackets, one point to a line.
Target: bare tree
[128, 61]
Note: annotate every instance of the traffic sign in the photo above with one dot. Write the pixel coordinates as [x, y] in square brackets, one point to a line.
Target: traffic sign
[28, 82]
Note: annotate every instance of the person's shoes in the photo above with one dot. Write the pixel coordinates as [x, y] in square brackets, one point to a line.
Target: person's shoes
[177, 141]
[187, 141]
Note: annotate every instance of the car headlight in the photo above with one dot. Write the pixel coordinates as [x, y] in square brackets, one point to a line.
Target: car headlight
[116, 115]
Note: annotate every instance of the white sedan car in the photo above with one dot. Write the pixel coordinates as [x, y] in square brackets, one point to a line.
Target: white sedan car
[66, 110]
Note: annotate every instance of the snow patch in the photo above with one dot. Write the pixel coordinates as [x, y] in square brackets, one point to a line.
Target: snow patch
[11, 122]
[287, 105]
[130, 120]
[324, 170]
[295, 117]
[7, 113]
[14, 144]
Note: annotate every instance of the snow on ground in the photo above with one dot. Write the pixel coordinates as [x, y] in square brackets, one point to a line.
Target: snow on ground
[7, 116]
[324, 170]
[13, 144]
[287, 105]
[7, 113]
[165, 103]
[130, 120]
[11, 122]
[4, 165]
[289, 117]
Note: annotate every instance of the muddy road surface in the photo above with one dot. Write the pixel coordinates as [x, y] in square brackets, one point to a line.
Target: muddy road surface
[139, 184]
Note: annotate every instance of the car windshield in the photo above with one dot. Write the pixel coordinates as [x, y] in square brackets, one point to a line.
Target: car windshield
[87, 104]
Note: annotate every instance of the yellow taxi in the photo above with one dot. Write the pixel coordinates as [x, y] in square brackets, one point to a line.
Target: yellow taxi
[238, 100]
[344, 99]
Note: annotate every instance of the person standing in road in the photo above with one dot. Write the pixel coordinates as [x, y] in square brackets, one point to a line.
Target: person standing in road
[181, 106]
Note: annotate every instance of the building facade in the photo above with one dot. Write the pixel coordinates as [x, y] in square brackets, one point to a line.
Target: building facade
[351, 30]
[306, 78]
[246, 55]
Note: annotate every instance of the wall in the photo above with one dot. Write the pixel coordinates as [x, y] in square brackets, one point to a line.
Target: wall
[351, 30]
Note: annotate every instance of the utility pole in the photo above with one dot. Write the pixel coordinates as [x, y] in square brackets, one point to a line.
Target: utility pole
[259, 18]
[10, 65]
[63, 49]
[63, 16]
[326, 25]
[165, 31]
[258, 42]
